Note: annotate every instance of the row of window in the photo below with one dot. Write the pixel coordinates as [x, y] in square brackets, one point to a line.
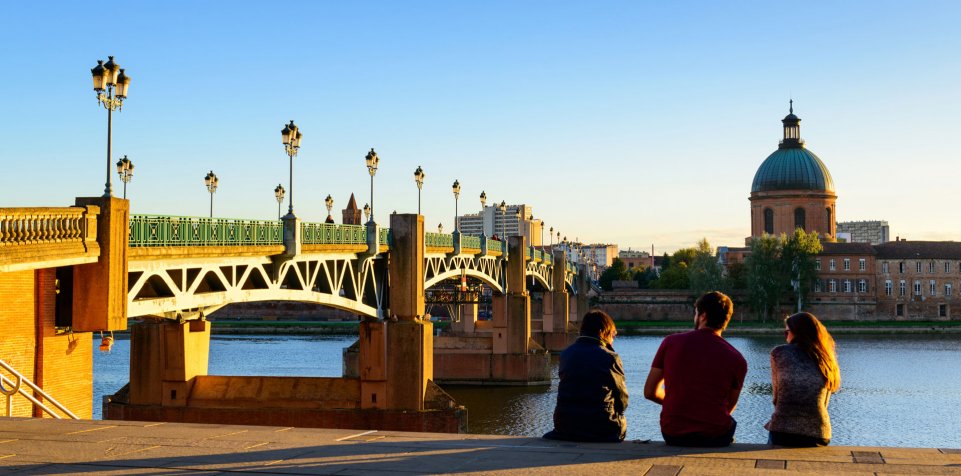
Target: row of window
[902, 288]
[844, 286]
[800, 219]
[932, 266]
[845, 263]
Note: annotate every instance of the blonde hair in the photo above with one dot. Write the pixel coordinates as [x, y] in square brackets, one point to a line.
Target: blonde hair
[813, 338]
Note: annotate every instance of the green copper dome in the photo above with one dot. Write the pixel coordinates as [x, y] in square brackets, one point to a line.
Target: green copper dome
[791, 166]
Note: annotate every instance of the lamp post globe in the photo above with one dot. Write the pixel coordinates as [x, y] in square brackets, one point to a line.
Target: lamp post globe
[503, 209]
[125, 171]
[329, 202]
[372, 162]
[440, 228]
[279, 195]
[456, 189]
[110, 83]
[419, 180]
[211, 181]
[291, 137]
[366, 211]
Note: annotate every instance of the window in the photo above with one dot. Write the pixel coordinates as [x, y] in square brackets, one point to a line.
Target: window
[947, 289]
[827, 212]
[932, 288]
[817, 264]
[884, 267]
[888, 287]
[901, 286]
[899, 310]
[769, 221]
[847, 285]
[847, 264]
[833, 286]
[947, 267]
[862, 264]
[901, 267]
[862, 286]
[799, 218]
[931, 267]
[917, 288]
[942, 310]
[831, 265]
[918, 266]
[817, 285]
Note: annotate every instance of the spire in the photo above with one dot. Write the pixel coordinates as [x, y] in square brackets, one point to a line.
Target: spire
[792, 130]
[791, 110]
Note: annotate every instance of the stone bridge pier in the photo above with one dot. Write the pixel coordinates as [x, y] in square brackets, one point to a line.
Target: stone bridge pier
[554, 330]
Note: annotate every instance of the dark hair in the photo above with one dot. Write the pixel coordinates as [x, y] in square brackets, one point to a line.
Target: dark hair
[718, 308]
[811, 336]
[597, 323]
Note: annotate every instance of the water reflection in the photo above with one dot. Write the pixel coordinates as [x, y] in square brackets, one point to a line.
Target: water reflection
[895, 390]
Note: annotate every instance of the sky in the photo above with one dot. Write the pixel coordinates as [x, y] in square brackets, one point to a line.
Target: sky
[635, 123]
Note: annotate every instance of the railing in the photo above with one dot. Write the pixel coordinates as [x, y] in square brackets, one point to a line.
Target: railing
[385, 237]
[494, 245]
[158, 230]
[23, 226]
[333, 234]
[438, 240]
[11, 387]
[470, 241]
[548, 259]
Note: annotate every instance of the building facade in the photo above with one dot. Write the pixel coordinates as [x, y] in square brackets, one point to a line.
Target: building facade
[875, 232]
[516, 220]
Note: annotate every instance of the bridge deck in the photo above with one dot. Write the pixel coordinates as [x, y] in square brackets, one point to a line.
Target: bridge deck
[35, 446]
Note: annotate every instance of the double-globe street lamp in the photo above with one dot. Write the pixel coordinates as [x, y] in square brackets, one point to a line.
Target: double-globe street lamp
[329, 202]
[111, 84]
[211, 181]
[291, 137]
[483, 200]
[456, 189]
[372, 161]
[279, 195]
[419, 180]
[125, 170]
[503, 208]
[366, 212]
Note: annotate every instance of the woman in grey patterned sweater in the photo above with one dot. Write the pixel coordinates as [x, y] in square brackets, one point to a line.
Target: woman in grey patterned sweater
[804, 374]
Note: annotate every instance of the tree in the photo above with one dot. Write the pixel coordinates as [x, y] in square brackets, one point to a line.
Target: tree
[645, 277]
[765, 278]
[674, 270]
[705, 273]
[798, 253]
[617, 271]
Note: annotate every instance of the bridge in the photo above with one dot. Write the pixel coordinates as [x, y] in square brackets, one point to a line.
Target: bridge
[173, 272]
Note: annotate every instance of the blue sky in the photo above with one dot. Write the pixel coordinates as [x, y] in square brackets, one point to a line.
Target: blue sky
[636, 123]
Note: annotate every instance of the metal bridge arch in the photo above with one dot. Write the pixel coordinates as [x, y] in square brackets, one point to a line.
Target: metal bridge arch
[489, 270]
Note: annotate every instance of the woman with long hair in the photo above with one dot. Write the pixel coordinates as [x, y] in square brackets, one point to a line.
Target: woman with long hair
[592, 395]
[804, 374]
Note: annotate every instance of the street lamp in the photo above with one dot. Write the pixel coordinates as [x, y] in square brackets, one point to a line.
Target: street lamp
[503, 208]
[366, 212]
[330, 205]
[111, 84]
[291, 137]
[372, 161]
[211, 181]
[440, 228]
[483, 200]
[419, 179]
[125, 170]
[279, 195]
[551, 236]
[456, 189]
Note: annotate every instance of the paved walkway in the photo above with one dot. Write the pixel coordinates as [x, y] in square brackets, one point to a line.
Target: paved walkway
[35, 446]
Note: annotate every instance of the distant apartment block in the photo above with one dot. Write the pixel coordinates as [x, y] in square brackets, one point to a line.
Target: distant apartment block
[635, 259]
[875, 232]
[515, 220]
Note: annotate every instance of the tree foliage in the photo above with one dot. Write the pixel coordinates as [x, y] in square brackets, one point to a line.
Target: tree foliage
[705, 273]
[780, 268]
[617, 271]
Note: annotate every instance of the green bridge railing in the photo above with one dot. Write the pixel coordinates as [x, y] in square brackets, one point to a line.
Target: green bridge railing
[438, 240]
[470, 241]
[332, 234]
[494, 245]
[159, 230]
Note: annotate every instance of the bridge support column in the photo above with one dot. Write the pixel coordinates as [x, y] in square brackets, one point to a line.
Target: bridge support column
[292, 241]
[165, 357]
[468, 319]
[100, 289]
[558, 332]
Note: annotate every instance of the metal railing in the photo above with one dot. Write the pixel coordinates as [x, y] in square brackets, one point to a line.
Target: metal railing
[10, 387]
[494, 245]
[333, 234]
[159, 230]
[438, 240]
[22, 226]
[385, 237]
[471, 242]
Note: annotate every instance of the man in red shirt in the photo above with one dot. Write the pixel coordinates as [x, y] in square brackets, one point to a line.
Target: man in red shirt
[697, 376]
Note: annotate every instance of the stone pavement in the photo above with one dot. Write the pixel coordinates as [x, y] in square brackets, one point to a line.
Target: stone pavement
[44, 446]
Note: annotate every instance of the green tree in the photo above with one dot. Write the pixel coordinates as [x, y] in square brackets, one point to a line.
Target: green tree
[705, 272]
[765, 275]
[617, 271]
[798, 252]
[645, 277]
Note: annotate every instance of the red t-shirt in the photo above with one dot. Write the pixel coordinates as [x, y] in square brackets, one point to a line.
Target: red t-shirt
[700, 370]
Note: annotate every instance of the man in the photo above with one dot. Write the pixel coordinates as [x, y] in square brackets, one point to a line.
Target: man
[697, 376]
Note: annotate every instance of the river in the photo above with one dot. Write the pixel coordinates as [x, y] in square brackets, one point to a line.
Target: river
[895, 391]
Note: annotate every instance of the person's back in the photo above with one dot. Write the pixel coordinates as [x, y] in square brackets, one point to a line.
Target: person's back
[592, 395]
[697, 376]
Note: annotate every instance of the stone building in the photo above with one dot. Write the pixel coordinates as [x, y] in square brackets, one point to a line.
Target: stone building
[866, 231]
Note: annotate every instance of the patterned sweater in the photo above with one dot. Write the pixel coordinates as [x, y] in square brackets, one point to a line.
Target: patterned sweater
[800, 395]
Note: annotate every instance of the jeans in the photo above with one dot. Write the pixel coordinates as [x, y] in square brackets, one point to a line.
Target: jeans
[702, 441]
[798, 441]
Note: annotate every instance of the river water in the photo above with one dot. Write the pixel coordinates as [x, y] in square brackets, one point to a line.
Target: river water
[896, 390]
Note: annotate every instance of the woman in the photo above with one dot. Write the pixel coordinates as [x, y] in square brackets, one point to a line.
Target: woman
[804, 374]
[592, 395]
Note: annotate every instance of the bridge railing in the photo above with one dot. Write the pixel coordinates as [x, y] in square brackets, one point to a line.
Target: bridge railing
[470, 242]
[334, 234]
[25, 226]
[159, 230]
[495, 245]
[438, 240]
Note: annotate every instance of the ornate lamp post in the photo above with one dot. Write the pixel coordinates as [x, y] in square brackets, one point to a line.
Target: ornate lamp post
[440, 228]
[456, 190]
[503, 208]
[366, 212]
[550, 235]
[211, 181]
[125, 170]
[279, 195]
[291, 137]
[330, 205]
[111, 84]
[372, 161]
[419, 179]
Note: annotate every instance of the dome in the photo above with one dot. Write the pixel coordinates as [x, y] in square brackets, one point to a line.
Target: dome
[792, 168]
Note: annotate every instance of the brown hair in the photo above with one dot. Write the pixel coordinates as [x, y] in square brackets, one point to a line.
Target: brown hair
[811, 336]
[597, 323]
[718, 308]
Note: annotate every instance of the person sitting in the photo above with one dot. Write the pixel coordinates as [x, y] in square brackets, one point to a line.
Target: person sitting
[804, 374]
[592, 395]
[697, 377]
